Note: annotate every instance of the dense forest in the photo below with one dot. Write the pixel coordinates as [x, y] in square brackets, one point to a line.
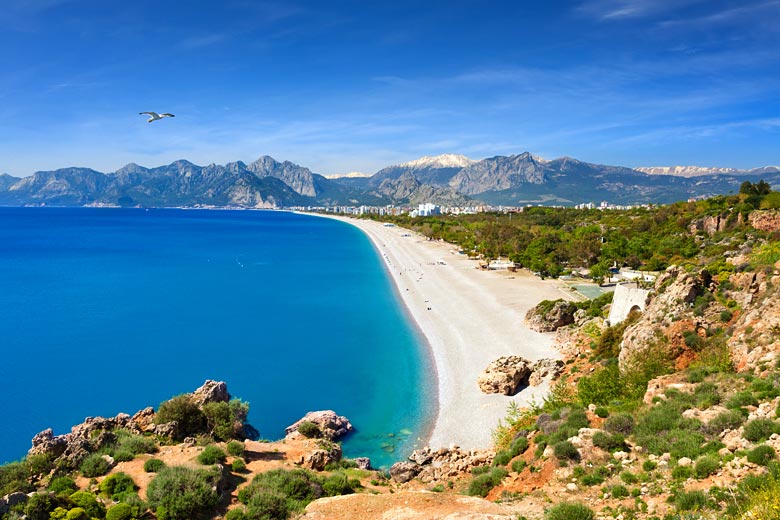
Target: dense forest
[553, 241]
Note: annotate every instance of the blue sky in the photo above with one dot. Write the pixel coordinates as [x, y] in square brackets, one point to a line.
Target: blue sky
[345, 85]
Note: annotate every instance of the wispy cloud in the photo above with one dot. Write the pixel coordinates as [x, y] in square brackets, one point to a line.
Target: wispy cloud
[615, 10]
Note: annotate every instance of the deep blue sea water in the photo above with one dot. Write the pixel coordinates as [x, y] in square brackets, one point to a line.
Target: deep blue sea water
[111, 310]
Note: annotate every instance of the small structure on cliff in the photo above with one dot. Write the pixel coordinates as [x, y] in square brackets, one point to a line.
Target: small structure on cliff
[628, 297]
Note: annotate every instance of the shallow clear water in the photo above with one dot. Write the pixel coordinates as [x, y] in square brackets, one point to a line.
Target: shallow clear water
[110, 310]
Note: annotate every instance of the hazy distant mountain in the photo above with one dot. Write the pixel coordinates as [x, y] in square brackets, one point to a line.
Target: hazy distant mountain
[698, 171]
[350, 175]
[7, 180]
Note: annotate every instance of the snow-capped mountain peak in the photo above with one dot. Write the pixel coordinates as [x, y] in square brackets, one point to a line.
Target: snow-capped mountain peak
[447, 160]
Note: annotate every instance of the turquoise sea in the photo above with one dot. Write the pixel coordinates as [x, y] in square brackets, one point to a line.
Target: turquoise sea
[110, 310]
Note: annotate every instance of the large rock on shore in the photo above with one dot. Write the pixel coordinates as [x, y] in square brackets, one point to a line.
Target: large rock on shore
[504, 375]
[549, 316]
[508, 374]
[331, 425]
[211, 392]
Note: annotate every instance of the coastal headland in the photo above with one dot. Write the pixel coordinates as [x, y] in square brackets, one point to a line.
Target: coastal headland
[469, 318]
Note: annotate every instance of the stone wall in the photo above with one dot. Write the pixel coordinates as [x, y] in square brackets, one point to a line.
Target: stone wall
[627, 296]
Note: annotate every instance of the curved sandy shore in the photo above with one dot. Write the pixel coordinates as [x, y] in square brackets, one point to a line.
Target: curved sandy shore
[470, 317]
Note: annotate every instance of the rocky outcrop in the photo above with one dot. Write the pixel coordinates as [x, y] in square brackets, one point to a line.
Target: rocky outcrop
[95, 433]
[326, 453]
[716, 223]
[548, 318]
[675, 292]
[11, 500]
[508, 374]
[211, 392]
[429, 465]
[755, 342]
[765, 220]
[331, 426]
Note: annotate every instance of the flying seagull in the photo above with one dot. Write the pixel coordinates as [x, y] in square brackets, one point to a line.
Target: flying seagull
[154, 116]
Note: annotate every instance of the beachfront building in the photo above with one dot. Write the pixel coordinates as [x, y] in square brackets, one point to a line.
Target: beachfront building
[428, 209]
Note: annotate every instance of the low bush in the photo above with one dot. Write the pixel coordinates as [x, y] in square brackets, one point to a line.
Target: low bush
[518, 446]
[691, 500]
[123, 455]
[569, 511]
[235, 448]
[236, 514]
[238, 466]
[518, 465]
[502, 458]
[601, 411]
[705, 466]
[62, 485]
[309, 430]
[136, 444]
[729, 420]
[608, 442]
[89, 503]
[211, 455]
[116, 485]
[707, 395]
[565, 451]
[602, 387]
[761, 455]
[94, 466]
[276, 494]
[682, 472]
[759, 430]
[649, 465]
[628, 477]
[190, 419]
[226, 421]
[179, 493]
[120, 512]
[618, 491]
[740, 399]
[481, 485]
[153, 465]
[622, 424]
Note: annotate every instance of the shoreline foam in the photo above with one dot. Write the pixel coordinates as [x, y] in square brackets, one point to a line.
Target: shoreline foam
[469, 318]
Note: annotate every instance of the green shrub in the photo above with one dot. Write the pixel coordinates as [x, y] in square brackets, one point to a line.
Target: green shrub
[565, 450]
[518, 446]
[682, 472]
[235, 448]
[153, 465]
[691, 501]
[618, 491]
[309, 430]
[705, 466]
[236, 514]
[62, 485]
[685, 443]
[123, 455]
[339, 483]
[502, 458]
[601, 411]
[136, 444]
[608, 442]
[649, 465]
[759, 430]
[479, 470]
[39, 505]
[740, 399]
[706, 395]
[481, 485]
[569, 511]
[89, 503]
[518, 465]
[600, 388]
[726, 315]
[622, 424]
[211, 455]
[179, 493]
[729, 420]
[238, 465]
[276, 494]
[94, 466]
[116, 485]
[77, 513]
[190, 419]
[120, 512]
[761, 455]
[226, 421]
[628, 477]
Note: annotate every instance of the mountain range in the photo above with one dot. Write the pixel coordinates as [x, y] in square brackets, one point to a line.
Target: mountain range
[448, 179]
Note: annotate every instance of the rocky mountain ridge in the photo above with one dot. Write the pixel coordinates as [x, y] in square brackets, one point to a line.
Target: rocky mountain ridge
[447, 179]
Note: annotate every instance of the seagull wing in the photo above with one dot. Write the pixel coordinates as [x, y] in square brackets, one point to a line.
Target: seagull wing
[167, 115]
[153, 114]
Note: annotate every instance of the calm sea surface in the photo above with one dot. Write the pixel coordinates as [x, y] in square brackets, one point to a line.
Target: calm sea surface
[111, 310]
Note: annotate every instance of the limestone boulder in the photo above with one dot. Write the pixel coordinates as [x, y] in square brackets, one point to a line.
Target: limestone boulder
[331, 425]
[545, 370]
[402, 472]
[211, 392]
[544, 318]
[505, 375]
